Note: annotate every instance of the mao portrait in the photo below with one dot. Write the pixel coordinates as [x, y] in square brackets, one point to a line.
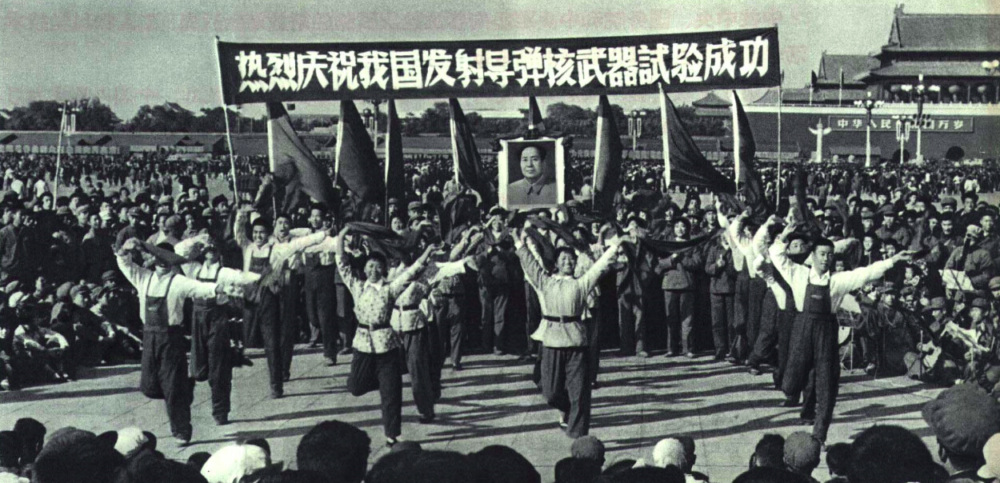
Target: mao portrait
[531, 172]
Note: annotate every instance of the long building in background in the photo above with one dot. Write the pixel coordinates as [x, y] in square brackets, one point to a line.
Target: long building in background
[956, 59]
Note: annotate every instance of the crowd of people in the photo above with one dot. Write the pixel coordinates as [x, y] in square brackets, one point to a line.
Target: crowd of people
[965, 421]
[133, 260]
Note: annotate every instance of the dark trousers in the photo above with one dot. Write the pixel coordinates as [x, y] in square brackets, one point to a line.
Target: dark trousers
[451, 326]
[786, 320]
[565, 386]
[680, 319]
[321, 308]
[211, 356]
[279, 334]
[165, 376]
[767, 334]
[421, 358]
[757, 291]
[252, 336]
[385, 373]
[494, 302]
[629, 340]
[738, 330]
[813, 348]
[722, 316]
[346, 322]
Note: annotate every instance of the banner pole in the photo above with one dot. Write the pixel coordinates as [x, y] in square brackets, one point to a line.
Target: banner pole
[777, 201]
[62, 127]
[225, 116]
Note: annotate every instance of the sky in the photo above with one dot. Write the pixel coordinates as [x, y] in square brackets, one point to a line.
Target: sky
[135, 52]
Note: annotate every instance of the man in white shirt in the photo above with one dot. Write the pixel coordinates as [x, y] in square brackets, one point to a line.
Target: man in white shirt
[162, 292]
[817, 294]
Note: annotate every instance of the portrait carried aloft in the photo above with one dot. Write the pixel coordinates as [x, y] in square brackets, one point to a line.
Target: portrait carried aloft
[531, 173]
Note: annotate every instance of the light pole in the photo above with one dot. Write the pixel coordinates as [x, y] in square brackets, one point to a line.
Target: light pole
[375, 103]
[67, 125]
[367, 114]
[868, 104]
[635, 127]
[904, 124]
[919, 95]
[992, 68]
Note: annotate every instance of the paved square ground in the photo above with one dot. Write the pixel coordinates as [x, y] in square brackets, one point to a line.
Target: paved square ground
[491, 402]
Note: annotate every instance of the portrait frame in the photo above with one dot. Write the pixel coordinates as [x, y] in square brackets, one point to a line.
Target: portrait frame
[508, 159]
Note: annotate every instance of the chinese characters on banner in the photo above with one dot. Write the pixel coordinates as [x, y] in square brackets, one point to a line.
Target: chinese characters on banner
[887, 123]
[253, 72]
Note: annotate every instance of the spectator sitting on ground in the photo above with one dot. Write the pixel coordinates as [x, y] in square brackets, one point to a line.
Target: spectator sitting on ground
[838, 462]
[588, 447]
[506, 464]
[891, 454]
[769, 452]
[801, 454]
[963, 418]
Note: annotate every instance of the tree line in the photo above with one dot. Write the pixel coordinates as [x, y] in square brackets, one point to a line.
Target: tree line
[92, 115]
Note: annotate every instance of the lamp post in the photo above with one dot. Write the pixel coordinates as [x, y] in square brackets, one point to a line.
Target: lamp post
[904, 124]
[868, 104]
[375, 103]
[635, 127]
[367, 114]
[992, 68]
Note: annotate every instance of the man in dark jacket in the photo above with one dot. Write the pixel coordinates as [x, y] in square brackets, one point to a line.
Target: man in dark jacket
[16, 242]
[722, 288]
[678, 292]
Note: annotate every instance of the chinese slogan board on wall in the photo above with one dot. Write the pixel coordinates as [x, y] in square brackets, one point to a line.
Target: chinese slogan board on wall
[255, 72]
[887, 123]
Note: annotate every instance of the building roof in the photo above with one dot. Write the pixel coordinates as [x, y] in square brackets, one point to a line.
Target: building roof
[855, 68]
[711, 100]
[796, 95]
[944, 33]
[932, 68]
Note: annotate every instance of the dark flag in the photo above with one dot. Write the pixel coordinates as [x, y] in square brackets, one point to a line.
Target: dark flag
[395, 181]
[744, 149]
[535, 121]
[468, 165]
[688, 167]
[295, 169]
[357, 164]
[607, 159]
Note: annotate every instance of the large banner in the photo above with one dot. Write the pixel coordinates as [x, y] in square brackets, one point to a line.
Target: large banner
[734, 59]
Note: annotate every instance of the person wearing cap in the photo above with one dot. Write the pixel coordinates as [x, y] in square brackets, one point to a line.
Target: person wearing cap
[498, 275]
[565, 378]
[963, 418]
[722, 284]
[275, 310]
[817, 295]
[171, 230]
[943, 244]
[162, 293]
[18, 246]
[890, 230]
[321, 292]
[377, 363]
[136, 227]
[972, 259]
[211, 356]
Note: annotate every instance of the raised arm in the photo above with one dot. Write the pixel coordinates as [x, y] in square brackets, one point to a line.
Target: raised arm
[230, 276]
[593, 275]
[859, 277]
[401, 281]
[239, 229]
[188, 288]
[534, 272]
[132, 271]
[788, 269]
[346, 274]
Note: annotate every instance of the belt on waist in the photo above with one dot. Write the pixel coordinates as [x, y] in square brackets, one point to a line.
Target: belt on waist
[562, 319]
[374, 327]
[406, 308]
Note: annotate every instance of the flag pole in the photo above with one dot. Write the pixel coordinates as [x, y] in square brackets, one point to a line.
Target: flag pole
[777, 201]
[225, 117]
[665, 134]
[62, 127]
[736, 142]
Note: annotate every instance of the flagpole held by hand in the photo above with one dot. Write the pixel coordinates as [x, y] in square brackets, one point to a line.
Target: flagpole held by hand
[225, 116]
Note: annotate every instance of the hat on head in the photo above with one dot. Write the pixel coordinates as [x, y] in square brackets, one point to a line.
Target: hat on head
[77, 290]
[165, 200]
[963, 418]
[952, 202]
[981, 303]
[802, 451]
[414, 205]
[109, 276]
[936, 303]
[995, 283]
[174, 222]
[587, 447]
[220, 199]
[393, 201]
[130, 440]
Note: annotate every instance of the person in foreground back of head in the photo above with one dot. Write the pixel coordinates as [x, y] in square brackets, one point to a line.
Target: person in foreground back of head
[817, 294]
[769, 452]
[891, 454]
[763, 474]
[72, 455]
[838, 461]
[588, 447]
[573, 470]
[673, 452]
[962, 418]
[335, 450]
[649, 474]
[801, 454]
[505, 465]
[426, 467]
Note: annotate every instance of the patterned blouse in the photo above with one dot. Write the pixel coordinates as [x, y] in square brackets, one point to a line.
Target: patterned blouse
[411, 310]
[373, 303]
